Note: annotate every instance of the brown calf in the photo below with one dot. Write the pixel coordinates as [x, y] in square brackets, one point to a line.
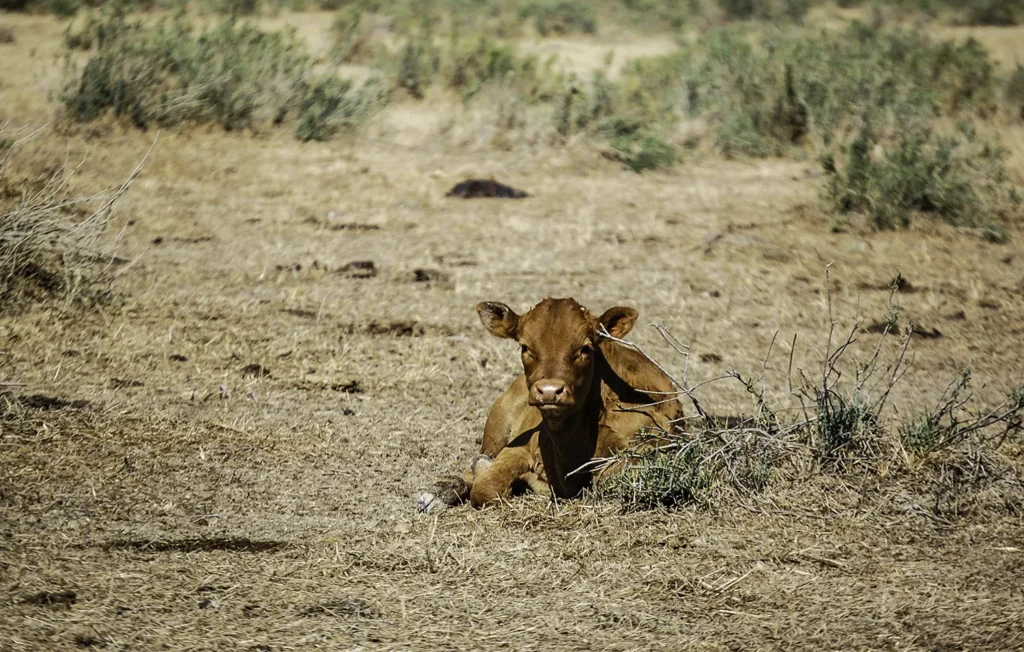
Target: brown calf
[582, 396]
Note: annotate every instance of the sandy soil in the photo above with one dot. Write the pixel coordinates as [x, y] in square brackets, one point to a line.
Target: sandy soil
[194, 502]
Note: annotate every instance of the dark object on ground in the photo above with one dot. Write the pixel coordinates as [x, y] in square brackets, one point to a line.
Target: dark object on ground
[255, 371]
[44, 402]
[51, 599]
[359, 269]
[473, 188]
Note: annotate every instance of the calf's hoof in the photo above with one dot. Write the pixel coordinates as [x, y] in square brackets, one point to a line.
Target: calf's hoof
[446, 492]
[429, 503]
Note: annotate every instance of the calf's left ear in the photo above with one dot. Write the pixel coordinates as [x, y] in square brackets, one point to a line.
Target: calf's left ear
[618, 321]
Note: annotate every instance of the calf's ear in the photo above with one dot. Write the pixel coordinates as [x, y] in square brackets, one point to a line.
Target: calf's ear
[618, 321]
[498, 319]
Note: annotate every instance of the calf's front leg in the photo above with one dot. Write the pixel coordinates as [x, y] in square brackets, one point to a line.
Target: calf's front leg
[494, 481]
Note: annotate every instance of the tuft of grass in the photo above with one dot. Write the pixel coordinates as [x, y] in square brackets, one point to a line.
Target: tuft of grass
[666, 477]
[842, 425]
[50, 239]
[993, 234]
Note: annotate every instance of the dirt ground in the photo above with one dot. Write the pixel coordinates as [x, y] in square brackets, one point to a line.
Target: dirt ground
[248, 422]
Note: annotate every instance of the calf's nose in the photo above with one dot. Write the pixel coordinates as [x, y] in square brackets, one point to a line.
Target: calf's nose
[549, 391]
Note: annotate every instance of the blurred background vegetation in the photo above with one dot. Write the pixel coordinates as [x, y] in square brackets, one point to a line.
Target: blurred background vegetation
[903, 123]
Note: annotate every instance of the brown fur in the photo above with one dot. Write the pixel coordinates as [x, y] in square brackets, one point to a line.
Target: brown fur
[605, 396]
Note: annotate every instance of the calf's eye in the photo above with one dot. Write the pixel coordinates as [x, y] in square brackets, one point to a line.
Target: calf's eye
[584, 351]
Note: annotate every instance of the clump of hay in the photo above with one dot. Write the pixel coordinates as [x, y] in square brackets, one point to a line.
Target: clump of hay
[50, 238]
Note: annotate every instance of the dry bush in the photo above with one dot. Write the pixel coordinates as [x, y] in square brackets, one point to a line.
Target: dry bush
[955, 455]
[53, 243]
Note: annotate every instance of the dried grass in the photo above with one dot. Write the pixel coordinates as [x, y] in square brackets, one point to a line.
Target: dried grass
[842, 428]
[49, 237]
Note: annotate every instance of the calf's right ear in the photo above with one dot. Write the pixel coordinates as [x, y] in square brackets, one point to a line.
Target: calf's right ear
[498, 319]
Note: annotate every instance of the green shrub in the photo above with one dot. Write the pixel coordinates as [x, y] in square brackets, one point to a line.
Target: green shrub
[663, 479]
[792, 10]
[995, 12]
[233, 75]
[64, 8]
[841, 425]
[1015, 91]
[560, 16]
[331, 104]
[953, 178]
[351, 40]
[475, 63]
[416, 67]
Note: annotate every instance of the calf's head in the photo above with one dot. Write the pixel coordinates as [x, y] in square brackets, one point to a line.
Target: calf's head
[558, 340]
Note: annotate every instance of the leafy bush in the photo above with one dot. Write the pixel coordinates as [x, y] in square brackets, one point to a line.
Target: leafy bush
[351, 40]
[793, 10]
[636, 147]
[472, 64]
[954, 178]
[560, 16]
[331, 104]
[233, 75]
[995, 12]
[1015, 91]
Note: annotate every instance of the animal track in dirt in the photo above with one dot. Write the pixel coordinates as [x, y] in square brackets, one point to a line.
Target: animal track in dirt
[457, 260]
[183, 240]
[44, 402]
[197, 544]
[358, 269]
[710, 358]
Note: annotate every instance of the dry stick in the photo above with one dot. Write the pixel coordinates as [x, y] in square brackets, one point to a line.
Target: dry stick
[686, 390]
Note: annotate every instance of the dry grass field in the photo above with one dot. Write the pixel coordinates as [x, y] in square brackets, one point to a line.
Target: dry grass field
[226, 453]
